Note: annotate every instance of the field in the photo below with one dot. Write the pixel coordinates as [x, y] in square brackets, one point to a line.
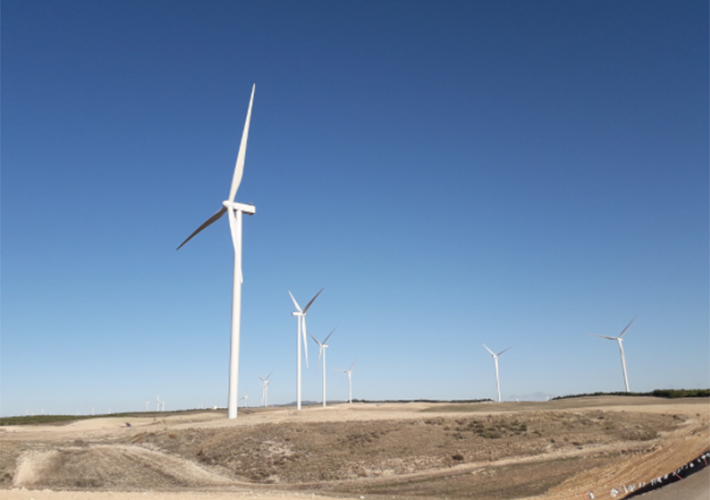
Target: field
[552, 450]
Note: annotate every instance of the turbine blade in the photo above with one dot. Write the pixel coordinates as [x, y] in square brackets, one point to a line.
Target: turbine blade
[344, 371]
[501, 352]
[305, 344]
[487, 349]
[309, 333]
[239, 167]
[627, 326]
[603, 336]
[311, 302]
[331, 333]
[353, 365]
[269, 375]
[219, 213]
[294, 302]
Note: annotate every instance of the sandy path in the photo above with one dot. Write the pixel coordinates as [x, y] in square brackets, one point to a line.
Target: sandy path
[23, 494]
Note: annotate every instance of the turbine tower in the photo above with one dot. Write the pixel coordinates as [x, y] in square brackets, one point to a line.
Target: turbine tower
[265, 390]
[301, 317]
[234, 211]
[323, 346]
[350, 381]
[621, 349]
[495, 359]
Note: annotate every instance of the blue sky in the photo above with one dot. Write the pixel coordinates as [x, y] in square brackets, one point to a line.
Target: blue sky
[515, 173]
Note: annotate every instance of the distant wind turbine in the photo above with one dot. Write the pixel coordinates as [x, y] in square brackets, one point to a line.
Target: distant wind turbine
[246, 400]
[301, 317]
[323, 345]
[495, 359]
[350, 381]
[621, 349]
[235, 211]
[265, 389]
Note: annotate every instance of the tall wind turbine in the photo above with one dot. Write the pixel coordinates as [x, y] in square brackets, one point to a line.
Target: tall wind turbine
[265, 390]
[234, 211]
[301, 317]
[495, 359]
[323, 345]
[246, 400]
[350, 381]
[621, 349]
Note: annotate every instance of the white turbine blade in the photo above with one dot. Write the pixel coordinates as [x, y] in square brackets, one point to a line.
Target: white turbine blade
[344, 371]
[269, 376]
[298, 308]
[501, 352]
[239, 167]
[487, 349]
[219, 213]
[603, 336]
[311, 302]
[317, 342]
[260, 377]
[305, 344]
[627, 326]
[331, 333]
[353, 365]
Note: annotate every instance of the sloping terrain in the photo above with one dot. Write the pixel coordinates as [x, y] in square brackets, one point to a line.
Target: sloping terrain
[471, 451]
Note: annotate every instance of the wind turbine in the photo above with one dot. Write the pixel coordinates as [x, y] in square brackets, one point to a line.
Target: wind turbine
[235, 211]
[350, 381]
[495, 359]
[621, 349]
[323, 346]
[301, 317]
[246, 400]
[265, 390]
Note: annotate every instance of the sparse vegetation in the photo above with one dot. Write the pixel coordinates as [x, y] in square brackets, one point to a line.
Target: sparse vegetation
[659, 393]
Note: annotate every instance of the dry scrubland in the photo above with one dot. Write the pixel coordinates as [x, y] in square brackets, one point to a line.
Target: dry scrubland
[553, 450]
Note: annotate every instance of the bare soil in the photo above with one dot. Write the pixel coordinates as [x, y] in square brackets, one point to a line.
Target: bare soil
[554, 450]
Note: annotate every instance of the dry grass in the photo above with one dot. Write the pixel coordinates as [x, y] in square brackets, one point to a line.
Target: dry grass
[465, 451]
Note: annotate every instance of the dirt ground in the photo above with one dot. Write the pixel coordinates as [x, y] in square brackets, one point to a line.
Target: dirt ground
[554, 450]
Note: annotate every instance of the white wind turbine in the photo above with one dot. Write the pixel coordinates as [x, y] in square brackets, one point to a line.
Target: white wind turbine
[323, 345]
[621, 349]
[301, 317]
[246, 399]
[234, 211]
[350, 381]
[265, 389]
[495, 359]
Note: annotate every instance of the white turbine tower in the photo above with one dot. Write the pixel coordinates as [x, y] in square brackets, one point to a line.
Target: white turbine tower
[350, 381]
[157, 405]
[323, 345]
[301, 317]
[621, 349]
[265, 389]
[235, 211]
[495, 359]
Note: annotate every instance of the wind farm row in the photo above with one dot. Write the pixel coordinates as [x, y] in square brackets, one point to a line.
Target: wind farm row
[235, 211]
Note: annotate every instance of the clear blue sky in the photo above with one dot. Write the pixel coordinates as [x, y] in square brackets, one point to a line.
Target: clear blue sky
[516, 173]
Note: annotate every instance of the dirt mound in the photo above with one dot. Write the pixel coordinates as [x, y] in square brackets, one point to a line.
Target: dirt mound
[111, 466]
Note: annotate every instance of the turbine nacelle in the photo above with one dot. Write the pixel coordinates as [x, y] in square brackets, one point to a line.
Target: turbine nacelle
[247, 209]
